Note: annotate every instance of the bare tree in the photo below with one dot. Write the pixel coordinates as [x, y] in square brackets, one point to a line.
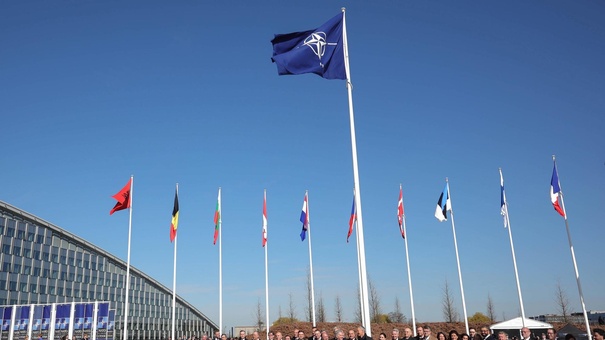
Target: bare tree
[562, 302]
[258, 315]
[357, 315]
[321, 310]
[279, 315]
[491, 311]
[309, 308]
[449, 311]
[338, 309]
[375, 308]
[291, 307]
[396, 315]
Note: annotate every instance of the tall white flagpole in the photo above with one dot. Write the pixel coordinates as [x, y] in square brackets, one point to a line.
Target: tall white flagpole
[573, 257]
[361, 308]
[457, 257]
[310, 260]
[174, 278]
[126, 305]
[512, 248]
[407, 258]
[361, 244]
[220, 261]
[361, 299]
[266, 278]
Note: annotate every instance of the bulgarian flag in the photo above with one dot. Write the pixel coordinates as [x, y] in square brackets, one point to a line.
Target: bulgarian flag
[217, 216]
[352, 219]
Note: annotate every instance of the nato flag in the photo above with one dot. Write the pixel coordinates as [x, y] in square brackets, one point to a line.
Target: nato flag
[318, 51]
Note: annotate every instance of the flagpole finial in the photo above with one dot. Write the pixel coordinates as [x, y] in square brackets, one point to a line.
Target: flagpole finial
[343, 9]
[446, 179]
[553, 157]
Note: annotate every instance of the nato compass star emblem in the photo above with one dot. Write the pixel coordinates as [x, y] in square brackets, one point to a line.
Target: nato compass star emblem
[317, 43]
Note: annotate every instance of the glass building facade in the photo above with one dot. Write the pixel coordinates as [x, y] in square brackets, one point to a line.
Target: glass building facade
[41, 263]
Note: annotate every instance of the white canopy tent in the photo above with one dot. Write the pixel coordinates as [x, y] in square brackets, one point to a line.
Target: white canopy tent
[517, 324]
[513, 327]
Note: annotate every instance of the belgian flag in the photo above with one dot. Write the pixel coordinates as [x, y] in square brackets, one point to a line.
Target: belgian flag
[175, 216]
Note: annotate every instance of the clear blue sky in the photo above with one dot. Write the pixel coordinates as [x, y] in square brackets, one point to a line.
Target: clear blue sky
[92, 92]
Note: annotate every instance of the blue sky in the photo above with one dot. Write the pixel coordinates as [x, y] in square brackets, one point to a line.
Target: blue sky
[92, 92]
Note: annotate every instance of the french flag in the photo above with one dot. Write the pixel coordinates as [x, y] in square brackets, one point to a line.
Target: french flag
[304, 218]
[555, 191]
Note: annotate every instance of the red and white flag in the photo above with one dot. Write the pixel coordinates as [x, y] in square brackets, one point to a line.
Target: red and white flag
[400, 212]
[265, 219]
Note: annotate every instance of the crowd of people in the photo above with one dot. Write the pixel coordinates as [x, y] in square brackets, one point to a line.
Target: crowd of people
[422, 333]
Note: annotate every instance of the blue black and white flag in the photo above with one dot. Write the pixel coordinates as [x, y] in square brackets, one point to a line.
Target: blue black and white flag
[503, 204]
[318, 51]
[443, 205]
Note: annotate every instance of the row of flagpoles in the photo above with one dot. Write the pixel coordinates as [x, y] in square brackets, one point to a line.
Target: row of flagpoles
[324, 51]
[444, 205]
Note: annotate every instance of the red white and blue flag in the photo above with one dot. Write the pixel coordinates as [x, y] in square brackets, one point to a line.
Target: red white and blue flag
[304, 218]
[352, 219]
[555, 191]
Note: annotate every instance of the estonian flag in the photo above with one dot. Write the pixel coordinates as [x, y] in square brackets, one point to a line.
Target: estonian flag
[503, 204]
[443, 205]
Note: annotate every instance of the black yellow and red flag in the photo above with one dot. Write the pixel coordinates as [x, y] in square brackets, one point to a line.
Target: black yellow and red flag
[175, 217]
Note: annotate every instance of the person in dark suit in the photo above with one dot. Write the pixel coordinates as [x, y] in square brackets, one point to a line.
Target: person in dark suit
[407, 334]
[526, 334]
[395, 334]
[361, 334]
[486, 335]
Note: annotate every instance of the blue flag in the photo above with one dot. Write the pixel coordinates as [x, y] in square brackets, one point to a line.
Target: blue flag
[318, 51]
[304, 218]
